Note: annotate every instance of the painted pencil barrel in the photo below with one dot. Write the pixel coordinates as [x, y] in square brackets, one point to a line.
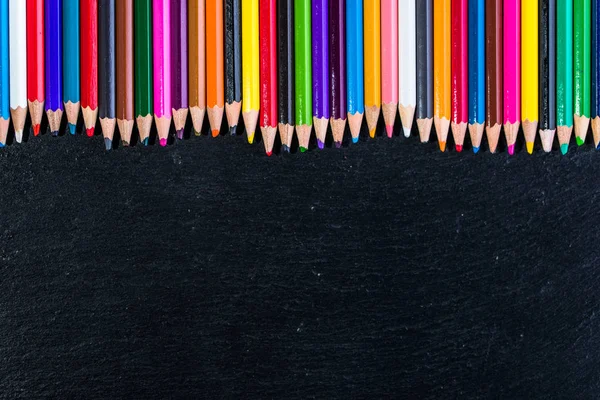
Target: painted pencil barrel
[285, 42]
[424, 58]
[54, 66]
[337, 58]
[143, 57]
[407, 63]
[179, 49]
[17, 22]
[4, 73]
[35, 51]
[476, 61]
[106, 58]
[233, 51]
[354, 57]
[124, 69]
[320, 59]
[595, 60]
[581, 68]
[71, 92]
[161, 58]
[302, 34]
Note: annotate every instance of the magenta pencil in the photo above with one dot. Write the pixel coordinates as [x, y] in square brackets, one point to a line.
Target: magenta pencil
[162, 68]
[389, 63]
[512, 72]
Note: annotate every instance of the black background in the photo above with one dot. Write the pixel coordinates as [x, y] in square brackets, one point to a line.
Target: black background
[384, 269]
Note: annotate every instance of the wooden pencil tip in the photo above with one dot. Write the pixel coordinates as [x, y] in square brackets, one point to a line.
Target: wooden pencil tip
[18, 115]
[530, 130]
[54, 120]
[511, 131]
[125, 129]
[564, 136]
[547, 138]
[389, 115]
[268, 134]
[459, 131]
[36, 111]
[476, 134]
[4, 123]
[442, 125]
[493, 136]
[90, 116]
[286, 133]
[197, 114]
[581, 124]
[338, 126]
[372, 117]
[250, 120]
[108, 127]
[321, 125]
[407, 116]
[304, 132]
[215, 118]
[179, 118]
[232, 110]
[163, 126]
[596, 131]
[424, 127]
[72, 111]
[355, 122]
[144, 124]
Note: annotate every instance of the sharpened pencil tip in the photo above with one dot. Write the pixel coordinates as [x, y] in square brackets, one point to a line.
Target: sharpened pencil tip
[180, 134]
[406, 131]
[19, 136]
[442, 146]
[320, 144]
[72, 129]
[285, 148]
[269, 153]
[145, 142]
[163, 142]
[196, 133]
[529, 147]
[389, 130]
[250, 137]
[1, 145]
[233, 130]
[354, 140]
[458, 148]
[108, 143]
[215, 132]
[564, 148]
[372, 133]
[338, 145]
[303, 149]
[36, 130]
[579, 141]
[89, 132]
[54, 133]
[475, 150]
[511, 149]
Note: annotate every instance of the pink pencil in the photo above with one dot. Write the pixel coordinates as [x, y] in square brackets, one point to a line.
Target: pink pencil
[162, 68]
[512, 71]
[460, 69]
[389, 62]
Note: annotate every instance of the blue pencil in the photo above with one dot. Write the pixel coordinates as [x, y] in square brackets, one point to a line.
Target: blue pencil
[4, 80]
[71, 96]
[476, 72]
[355, 68]
[53, 26]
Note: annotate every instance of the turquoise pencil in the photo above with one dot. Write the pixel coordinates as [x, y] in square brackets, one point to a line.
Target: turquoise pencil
[71, 96]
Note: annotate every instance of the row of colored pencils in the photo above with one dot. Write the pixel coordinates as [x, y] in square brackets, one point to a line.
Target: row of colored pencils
[455, 66]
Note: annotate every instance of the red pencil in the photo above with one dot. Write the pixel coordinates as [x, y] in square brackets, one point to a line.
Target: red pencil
[460, 78]
[35, 62]
[88, 12]
[268, 72]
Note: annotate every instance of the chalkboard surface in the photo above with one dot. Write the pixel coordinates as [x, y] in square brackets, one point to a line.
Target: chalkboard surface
[383, 269]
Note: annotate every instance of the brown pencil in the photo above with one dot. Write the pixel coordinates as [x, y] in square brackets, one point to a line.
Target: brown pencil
[494, 72]
[125, 115]
[197, 60]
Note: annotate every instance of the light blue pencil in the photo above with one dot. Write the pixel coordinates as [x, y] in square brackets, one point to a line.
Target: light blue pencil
[355, 68]
[4, 73]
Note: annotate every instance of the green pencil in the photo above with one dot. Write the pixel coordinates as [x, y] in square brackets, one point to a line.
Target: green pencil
[564, 72]
[582, 64]
[303, 60]
[143, 67]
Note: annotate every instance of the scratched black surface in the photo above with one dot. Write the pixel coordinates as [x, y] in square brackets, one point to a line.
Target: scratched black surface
[207, 270]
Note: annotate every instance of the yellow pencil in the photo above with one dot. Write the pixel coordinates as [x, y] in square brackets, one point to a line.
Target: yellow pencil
[529, 70]
[250, 67]
[372, 40]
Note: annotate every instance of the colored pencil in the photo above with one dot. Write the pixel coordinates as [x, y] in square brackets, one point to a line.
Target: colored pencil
[547, 72]
[389, 63]
[268, 73]
[36, 80]
[71, 90]
[442, 63]
[124, 63]
[582, 19]
[161, 68]
[372, 60]
[512, 72]
[88, 13]
[493, 88]
[337, 69]
[54, 81]
[320, 69]
[17, 22]
[407, 64]
[197, 63]
[355, 103]
[250, 67]
[595, 70]
[4, 73]
[529, 71]
[143, 77]
[233, 63]
[179, 62]
[476, 72]
[215, 83]
[564, 73]
[303, 86]
[424, 59]
[460, 72]
[286, 107]
[106, 70]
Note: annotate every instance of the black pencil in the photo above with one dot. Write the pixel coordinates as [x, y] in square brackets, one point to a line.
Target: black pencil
[285, 36]
[106, 70]
[547, 72]
[424, 111]
[233, 63]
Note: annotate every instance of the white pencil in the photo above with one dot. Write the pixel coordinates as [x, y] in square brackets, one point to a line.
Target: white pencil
[407, 50]
[17, 20]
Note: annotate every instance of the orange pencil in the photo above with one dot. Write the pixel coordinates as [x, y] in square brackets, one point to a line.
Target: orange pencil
[215, 85]
[441, 69]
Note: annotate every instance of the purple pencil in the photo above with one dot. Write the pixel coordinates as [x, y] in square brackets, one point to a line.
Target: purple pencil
[179, 65]
[53, 35]
[337, 69]
[320, 68]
